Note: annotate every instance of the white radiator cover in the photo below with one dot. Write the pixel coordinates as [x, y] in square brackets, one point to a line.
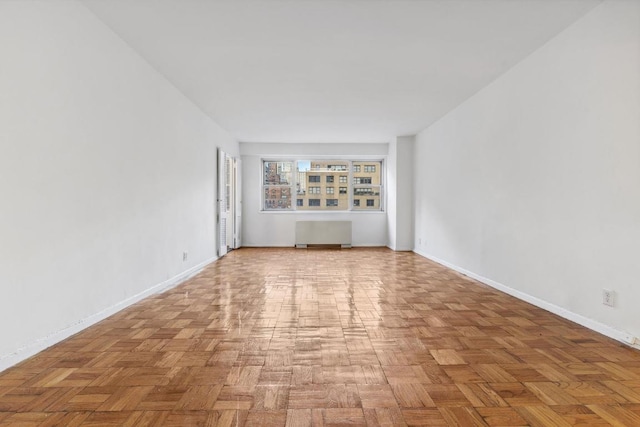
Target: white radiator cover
[323, 233]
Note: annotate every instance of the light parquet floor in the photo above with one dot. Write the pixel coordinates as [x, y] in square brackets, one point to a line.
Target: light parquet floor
[275, 337]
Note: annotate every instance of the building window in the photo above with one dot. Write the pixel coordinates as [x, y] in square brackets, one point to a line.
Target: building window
[362, 180]
[287, 184]
[363, 191]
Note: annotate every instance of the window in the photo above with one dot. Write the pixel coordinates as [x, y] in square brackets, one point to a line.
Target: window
[367, 190]
[278, 173]
[363, 191]
[277, 198]
[303, 185]
[362, 180]
[277, 185]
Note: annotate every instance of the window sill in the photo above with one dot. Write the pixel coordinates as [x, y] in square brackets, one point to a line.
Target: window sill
[336, 212]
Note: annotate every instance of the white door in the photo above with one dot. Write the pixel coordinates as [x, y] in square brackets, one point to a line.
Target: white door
[222, 202]
[230, 201]
[237, 189]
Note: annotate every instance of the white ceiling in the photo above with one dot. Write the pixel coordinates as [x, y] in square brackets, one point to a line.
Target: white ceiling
[333, 70]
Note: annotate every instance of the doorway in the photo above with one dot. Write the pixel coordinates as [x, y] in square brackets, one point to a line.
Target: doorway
[229, 201]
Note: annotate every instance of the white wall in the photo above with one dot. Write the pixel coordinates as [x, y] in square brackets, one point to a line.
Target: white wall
[278, 228]
[392, 196]
[534, 183]
[400, 194]
[107, 174]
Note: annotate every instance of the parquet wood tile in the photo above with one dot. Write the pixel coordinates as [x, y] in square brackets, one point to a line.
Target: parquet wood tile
[501, 417]
[367, 336]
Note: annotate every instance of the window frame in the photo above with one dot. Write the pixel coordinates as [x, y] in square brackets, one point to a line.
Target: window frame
[350, 184]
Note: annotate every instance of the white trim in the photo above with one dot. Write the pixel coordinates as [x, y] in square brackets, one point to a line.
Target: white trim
[23, 353]
[594, 325]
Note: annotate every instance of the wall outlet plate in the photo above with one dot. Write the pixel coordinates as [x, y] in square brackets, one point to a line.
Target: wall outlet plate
[608, 297]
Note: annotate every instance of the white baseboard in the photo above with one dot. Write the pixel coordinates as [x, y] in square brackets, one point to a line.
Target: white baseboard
[594, 325]
[400, 248]
[23, 353]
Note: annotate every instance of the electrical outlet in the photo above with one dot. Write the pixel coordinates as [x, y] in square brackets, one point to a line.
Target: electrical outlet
[419, 241]
[608, 297]
[185, 255]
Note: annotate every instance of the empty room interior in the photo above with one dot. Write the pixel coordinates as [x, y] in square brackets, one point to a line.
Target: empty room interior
[305, 213]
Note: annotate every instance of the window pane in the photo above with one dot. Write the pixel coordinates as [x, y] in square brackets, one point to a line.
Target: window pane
[367, 172]
[278, 173]
[315, 183]
[277, 197]
[367, 197]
